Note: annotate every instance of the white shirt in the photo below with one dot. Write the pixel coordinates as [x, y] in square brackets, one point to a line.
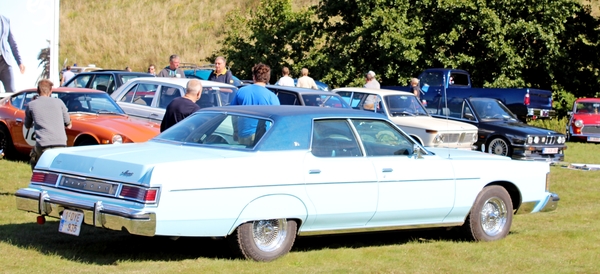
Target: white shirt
[67, 75]
[306, 82]
[285, 81]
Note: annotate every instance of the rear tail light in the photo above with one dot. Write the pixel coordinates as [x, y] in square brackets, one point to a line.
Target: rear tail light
[140, 194]
[526, 101]
[44, 178]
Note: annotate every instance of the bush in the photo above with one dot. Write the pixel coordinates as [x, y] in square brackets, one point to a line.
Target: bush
[558, 125]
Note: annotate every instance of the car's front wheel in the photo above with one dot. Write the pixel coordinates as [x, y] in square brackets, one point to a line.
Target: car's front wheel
[499, 146]
[491, 215]
[264, 240]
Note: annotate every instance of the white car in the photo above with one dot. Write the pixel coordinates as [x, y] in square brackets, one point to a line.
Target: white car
[406, 111]
[258, 176]
[147, 97]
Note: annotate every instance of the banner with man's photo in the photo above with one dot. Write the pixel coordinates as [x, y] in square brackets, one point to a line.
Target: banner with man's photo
[28, 41]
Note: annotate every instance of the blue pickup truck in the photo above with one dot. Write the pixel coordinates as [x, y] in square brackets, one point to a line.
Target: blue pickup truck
[526, 103]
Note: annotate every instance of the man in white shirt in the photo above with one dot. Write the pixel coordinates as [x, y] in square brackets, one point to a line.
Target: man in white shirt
[286, 80]
[371, 81]
[306, 81]
[67, 75]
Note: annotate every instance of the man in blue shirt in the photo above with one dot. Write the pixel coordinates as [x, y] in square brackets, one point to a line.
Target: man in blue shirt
[255, 94]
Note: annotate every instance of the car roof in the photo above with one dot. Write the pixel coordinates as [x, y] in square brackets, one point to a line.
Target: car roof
[67, 90]
[178, 81]
[588, 100]
[375, 91]
[289, 110]
[113, 71]
[300, 90]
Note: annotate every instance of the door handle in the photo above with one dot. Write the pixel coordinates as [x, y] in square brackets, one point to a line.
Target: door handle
[387, 169]
[314, 171]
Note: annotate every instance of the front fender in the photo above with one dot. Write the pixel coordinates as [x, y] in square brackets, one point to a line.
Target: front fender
[272, 207]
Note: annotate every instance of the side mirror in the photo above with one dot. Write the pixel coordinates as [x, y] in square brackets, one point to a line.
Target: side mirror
[469, 116]
[417, 151]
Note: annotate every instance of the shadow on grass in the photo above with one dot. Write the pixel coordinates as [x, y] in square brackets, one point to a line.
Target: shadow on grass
[107, 247]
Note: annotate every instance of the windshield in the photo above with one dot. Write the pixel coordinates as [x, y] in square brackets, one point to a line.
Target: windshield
[89, 102]
[404, 105]
[491, 109]
[218, 130]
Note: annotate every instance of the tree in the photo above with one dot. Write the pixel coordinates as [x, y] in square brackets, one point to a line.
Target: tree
[273, 35]
[44, 57]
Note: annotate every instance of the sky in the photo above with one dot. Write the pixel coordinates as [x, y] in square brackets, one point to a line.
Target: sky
[31, 23]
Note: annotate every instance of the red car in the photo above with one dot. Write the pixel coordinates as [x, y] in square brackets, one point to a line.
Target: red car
[584, 120]
[96, 119]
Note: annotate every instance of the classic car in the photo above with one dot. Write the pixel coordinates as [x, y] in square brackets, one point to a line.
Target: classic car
[502, 133]
[147, 98]
[306, 171]
[404, 109]
[96, 119]
[307, 97]
[104, 80]
[584, 120]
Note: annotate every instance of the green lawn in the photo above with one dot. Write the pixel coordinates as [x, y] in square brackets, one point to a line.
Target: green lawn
[564, 241]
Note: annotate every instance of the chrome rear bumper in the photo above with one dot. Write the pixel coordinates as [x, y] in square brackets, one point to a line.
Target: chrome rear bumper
[96, 214]
[548, 204]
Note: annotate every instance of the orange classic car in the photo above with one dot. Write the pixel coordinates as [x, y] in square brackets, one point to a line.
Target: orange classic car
[96, 119]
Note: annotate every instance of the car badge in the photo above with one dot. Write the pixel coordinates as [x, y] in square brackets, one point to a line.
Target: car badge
[126, 173]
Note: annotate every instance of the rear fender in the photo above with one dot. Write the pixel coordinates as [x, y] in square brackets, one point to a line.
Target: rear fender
[272, 207]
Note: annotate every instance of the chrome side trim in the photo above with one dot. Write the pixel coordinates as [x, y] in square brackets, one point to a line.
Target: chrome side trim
[373, 229]
[96, 214]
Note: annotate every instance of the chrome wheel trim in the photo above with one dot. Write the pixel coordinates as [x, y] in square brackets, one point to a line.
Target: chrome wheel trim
[494, 216]
[269, 235]
[498, 147]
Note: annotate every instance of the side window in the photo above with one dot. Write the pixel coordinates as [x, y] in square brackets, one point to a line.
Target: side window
[287, 98]
[210, 98]
[167, 94]
[312, 100]
[17, 101]
[346, 95]
[28, 98]
[128, 98]
[102, 82]
[380, 138]
[145, 94]
[467, 112]
[334, 138]
[459, 79]
[80, 81]
[433, 79]
[331, 102]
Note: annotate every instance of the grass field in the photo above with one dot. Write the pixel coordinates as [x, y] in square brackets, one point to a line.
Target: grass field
[564, 241]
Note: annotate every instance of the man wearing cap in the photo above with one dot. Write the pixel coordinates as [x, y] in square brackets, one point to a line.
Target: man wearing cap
[371, 81]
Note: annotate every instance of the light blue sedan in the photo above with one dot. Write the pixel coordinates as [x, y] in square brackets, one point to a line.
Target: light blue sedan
[261, 175]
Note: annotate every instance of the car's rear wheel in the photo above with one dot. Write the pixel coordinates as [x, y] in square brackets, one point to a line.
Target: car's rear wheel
[6, 144]
[491, 215]
[264, 240]
[499, 146]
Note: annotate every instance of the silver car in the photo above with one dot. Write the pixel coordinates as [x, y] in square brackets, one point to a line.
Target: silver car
[147, 98]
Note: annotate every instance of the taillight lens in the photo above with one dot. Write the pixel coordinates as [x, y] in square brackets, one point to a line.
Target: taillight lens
[44, 178]
[144, 195]
[526, 101]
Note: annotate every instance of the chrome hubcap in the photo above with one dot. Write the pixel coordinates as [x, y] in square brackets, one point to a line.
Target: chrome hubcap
[493, 216]
[498, 147]
[269, 234]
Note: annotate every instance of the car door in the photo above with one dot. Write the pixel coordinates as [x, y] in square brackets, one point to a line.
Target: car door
[412, 189]
[340, 182]
[23, 138]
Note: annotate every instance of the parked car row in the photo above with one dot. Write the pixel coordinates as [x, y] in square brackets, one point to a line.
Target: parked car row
[96, 119]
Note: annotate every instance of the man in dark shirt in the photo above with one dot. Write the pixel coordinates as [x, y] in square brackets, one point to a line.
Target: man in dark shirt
[182, 107]
[223, 75]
